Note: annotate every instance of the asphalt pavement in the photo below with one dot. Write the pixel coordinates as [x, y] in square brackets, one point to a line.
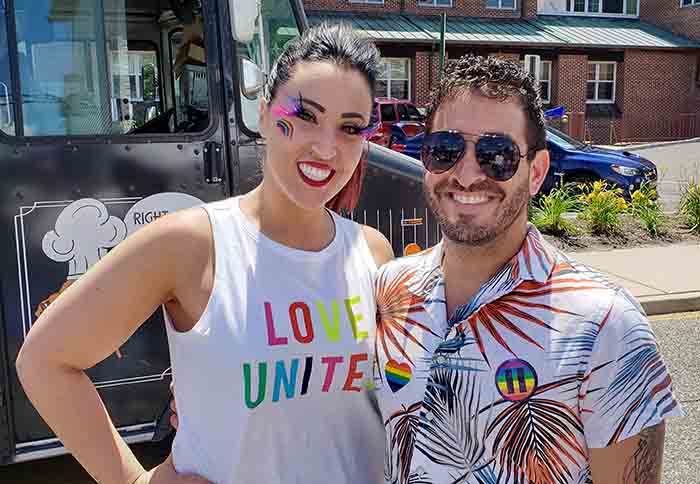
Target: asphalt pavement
[677, 163]
[678, 336]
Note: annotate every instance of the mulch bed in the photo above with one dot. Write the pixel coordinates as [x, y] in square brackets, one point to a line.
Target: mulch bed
[631, 234]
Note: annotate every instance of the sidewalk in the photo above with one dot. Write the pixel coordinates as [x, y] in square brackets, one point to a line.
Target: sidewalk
[664, 279]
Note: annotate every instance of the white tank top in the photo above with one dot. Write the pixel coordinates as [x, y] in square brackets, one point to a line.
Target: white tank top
[272, 382]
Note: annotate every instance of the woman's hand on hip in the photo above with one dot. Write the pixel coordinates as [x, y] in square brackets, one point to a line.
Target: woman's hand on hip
[165, 473]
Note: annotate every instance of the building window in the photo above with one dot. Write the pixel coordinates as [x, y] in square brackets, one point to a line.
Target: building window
[546, 81]
[504, 4]
[371, 2]
[435, 3]
[394, 78]
[601, 82]
[620, 7]
[687, 3]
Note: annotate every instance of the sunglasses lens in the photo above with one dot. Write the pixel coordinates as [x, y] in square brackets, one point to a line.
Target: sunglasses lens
[498, 156]
[441, 151]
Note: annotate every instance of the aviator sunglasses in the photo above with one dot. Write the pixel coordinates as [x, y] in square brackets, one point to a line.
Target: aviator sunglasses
[498, 154]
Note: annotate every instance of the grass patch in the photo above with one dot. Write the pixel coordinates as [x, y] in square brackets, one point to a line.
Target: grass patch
[689, 207]
[646, 207]
[548, 213]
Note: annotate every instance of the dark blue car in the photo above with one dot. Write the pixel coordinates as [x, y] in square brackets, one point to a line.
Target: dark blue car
[570, 159]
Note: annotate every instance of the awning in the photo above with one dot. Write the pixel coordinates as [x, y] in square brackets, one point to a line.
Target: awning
[545, 31]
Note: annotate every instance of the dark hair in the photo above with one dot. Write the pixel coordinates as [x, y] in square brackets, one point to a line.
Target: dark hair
[493, 78]
[340, 45]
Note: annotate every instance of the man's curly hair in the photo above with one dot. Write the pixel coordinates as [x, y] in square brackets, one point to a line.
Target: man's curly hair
[493, 78]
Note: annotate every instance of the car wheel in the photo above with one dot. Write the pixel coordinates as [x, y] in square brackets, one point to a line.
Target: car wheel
[582, 179]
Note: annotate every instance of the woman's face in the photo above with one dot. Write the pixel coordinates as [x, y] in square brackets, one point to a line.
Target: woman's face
[314, 132]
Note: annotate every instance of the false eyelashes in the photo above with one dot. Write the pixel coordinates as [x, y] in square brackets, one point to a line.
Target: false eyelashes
[294, 108]
[369, 131]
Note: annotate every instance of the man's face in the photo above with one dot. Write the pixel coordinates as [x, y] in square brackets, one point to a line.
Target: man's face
[473, 209]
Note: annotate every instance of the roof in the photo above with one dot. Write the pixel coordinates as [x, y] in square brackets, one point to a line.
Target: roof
[551, 31]
[385, 27]
[609, 32]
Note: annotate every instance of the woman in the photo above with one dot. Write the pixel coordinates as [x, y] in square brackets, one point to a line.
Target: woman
[268, 298]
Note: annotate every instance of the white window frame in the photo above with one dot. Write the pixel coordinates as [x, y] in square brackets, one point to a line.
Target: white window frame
[368, 2]
[548, 65]
[598, 81]
[599, 13]
[433, 4]
[388, 78]
[501, 7]
[691, 4]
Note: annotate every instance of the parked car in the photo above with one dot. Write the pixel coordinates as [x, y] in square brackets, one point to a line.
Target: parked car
[388, 111]
[571, 161]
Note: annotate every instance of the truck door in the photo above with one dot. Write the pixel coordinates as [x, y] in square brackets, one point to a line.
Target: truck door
[111, 115]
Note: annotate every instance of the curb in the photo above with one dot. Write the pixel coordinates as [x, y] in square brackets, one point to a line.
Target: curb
[651, 145]
[670, 303]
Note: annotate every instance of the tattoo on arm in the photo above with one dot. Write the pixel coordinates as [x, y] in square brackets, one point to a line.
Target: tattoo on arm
[644, 467]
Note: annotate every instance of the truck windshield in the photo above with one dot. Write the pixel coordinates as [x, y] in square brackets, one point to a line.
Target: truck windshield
[276, 27]
[106, 68]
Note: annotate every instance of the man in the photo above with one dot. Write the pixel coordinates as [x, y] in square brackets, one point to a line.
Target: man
[499, 359]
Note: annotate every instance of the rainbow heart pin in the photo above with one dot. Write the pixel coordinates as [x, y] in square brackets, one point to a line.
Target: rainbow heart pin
[397, 374]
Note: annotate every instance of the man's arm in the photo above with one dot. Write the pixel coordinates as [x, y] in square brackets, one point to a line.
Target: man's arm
[636, 460]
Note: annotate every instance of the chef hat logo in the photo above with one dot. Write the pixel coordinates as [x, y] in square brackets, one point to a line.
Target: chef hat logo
[84, 232]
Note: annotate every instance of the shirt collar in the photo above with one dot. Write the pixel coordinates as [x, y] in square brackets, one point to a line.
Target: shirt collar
[534, 261]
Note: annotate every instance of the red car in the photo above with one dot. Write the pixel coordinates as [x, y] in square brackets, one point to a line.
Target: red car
[388, 111]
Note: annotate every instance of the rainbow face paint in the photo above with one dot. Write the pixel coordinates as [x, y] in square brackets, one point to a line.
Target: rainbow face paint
[285, 127]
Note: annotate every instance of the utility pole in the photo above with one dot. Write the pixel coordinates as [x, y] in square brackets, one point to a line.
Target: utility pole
[443, 30]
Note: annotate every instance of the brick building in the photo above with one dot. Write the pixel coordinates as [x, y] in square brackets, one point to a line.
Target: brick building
[624, 69]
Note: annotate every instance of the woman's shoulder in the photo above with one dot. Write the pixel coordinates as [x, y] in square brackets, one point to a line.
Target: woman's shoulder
[379, 246]
[182, 238]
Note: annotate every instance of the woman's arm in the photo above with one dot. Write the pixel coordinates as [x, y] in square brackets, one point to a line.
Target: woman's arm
[90, 321]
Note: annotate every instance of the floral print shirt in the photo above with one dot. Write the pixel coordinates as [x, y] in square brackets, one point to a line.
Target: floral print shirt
[548, 360]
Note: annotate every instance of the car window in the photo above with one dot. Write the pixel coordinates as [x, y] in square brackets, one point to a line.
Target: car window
[387, 113]
[564, 140]
[408, 112]
[413, 112]
[96, 68]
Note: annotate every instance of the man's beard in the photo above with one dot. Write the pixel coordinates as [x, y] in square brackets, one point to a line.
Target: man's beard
[466, 231]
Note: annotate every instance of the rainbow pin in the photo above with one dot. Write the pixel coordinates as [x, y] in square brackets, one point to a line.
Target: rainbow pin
[516, 380]
[397, 374]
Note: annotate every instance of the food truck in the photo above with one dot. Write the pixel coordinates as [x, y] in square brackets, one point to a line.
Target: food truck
[114, 113]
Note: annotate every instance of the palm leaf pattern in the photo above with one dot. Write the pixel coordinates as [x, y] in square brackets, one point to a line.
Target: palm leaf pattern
[399, 300]
[636, 382]
[521, 304]
[449, 431]
[505, 301]
[402, 427]
[533, 440]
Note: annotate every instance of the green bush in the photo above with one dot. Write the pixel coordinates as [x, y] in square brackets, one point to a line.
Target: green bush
[547, 214]
[690, 205]
[647, 208]
[602, 207]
